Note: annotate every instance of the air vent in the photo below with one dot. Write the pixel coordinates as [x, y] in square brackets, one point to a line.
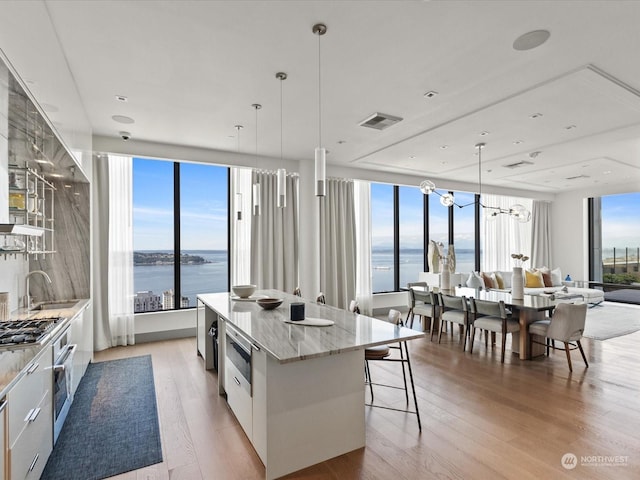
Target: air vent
[576, 177]
[379, 121]
[522, 163]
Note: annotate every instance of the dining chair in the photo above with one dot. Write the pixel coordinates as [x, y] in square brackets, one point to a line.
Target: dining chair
[383, 353]
[491, 317]
[422, 303]
[320, 299]
[565, 325]
[454, 310]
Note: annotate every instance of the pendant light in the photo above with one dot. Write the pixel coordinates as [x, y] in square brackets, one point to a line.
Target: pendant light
[256, 186]
[320, 153]
[238, 195]
[281, 179]
[516, 211]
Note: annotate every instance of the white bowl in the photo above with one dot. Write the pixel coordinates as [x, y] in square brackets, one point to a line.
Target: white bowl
[243, 291]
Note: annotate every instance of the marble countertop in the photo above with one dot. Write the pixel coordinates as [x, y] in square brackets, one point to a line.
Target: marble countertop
[287, 342]
[13, 362]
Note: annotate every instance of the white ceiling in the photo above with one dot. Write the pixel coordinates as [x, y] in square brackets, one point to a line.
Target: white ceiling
[191, 71]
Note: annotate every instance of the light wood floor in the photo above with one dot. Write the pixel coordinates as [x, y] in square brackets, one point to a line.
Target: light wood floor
[481, 419]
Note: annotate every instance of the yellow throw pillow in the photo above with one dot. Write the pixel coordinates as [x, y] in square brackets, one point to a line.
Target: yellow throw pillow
[533, 279]
[499, 281]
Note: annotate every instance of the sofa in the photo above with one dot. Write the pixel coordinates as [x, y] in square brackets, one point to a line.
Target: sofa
[553, 284]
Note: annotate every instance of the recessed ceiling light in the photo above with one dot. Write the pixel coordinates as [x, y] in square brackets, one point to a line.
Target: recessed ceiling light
[444, 147]
[606, 172]
[430, 94]
[569, 127]
[412, 156]
[122, 119]
[484, 133]
[517, 142]
[340, 142]
[531, 40]
[122, 98]
[535, 115]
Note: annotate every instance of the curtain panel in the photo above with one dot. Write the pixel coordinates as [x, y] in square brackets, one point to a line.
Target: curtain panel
[338, 243]
[541, 234]
[274, 235]
[114, 323]
[364, 281]
[240, 254]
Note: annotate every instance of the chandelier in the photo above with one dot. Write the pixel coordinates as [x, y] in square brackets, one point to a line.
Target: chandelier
[516, 211]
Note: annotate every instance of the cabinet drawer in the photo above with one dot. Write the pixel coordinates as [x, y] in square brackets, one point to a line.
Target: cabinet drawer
[238, 398]
[29, 454]
[27, 393]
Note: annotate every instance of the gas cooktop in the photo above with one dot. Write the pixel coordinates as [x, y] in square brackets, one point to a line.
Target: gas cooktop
[22, 333]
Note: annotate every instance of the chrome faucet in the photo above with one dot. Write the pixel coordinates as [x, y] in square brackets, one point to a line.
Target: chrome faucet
[27, 298]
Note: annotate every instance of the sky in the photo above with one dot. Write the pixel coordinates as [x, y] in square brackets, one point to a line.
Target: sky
[620, 225]
[203, 198]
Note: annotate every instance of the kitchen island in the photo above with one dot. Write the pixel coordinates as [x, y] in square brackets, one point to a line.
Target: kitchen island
[297, 391]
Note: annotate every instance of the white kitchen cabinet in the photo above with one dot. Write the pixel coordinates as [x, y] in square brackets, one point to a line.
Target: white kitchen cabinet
[30, 419]
[81, 337]
[239, 398]
[3, 449]
[205, 318]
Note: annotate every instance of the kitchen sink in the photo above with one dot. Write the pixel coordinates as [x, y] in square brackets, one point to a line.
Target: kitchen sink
[54, 305]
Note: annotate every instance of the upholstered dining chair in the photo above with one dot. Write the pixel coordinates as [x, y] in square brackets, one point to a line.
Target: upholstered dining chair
[491, 317]
[422, 303]
[566, 325]
[454, 310]
[383, 353]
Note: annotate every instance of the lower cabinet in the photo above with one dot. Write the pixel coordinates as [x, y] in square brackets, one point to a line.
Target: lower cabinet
[239, 397]
[3, 447]
[30, 419]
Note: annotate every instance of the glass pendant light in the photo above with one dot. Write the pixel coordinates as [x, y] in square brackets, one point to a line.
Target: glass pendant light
[281, 178]
[320, 153]
[256, 186]
[238, 195]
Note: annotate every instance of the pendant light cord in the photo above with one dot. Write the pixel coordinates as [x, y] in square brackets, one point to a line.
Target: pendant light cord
[319, 94]
[281, 79]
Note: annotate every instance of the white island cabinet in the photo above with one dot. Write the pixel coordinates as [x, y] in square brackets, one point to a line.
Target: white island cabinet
[3, 447]
[297, 391]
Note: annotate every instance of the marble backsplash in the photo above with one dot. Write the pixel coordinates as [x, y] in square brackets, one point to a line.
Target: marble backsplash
[69, 268]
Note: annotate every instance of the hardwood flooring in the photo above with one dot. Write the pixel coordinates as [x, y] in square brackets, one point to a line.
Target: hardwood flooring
[481, 419]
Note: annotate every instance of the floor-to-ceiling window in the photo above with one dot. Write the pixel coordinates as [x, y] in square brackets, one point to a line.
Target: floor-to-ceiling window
[620, 238]
[464, 235]
[411, 234]
[382, 237]
[179, 211]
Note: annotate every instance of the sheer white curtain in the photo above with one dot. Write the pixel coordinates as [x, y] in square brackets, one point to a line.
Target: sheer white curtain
[362, 207]
[114, 322]
[274, 235]
[338, 243]
[240, 229]
[503, 235]
[541, 234]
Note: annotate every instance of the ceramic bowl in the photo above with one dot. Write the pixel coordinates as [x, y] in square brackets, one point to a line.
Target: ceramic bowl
[269, 303]
[243, 291]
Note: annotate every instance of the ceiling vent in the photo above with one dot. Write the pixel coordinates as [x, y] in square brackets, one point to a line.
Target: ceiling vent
[379, 121]
[576, 177]
[522, 163]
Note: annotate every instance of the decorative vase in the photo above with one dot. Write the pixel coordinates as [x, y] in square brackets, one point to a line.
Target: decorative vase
[517, 284]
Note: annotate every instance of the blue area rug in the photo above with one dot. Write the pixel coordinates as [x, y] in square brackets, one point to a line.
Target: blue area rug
[112, 426]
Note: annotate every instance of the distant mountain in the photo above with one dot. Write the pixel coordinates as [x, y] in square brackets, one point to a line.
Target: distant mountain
[162, 258]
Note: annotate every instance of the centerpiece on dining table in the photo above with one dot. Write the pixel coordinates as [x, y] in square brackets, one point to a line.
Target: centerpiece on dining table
[517, 282]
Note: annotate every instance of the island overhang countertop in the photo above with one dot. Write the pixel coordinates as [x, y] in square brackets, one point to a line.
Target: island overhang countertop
[290, 342]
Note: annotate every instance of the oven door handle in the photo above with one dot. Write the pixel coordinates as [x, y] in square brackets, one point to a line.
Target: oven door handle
[64, 357]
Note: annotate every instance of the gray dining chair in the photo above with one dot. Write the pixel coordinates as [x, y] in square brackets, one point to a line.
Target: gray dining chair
[422, 303]
[454, 310]
[566, 325]
[491, 317]
[383, 353]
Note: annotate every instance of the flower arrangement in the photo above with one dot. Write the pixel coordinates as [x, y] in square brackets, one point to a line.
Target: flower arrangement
[520, 258]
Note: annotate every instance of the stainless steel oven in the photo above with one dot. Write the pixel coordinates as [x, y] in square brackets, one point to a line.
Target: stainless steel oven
[238, 352]
[63, 352]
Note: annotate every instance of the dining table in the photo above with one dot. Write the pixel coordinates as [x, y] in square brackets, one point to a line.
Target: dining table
[529, 309]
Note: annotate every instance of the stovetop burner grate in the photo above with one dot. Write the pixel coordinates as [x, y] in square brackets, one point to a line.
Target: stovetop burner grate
[25, 332]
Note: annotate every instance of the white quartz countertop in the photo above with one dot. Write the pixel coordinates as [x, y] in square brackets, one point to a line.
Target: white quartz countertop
[287, 342]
